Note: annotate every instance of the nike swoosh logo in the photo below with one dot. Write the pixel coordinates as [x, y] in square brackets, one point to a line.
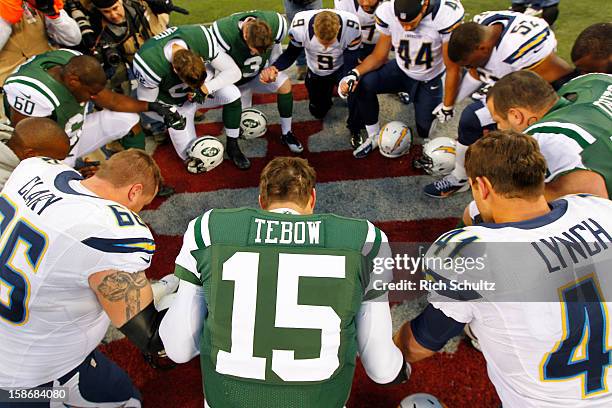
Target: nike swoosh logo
[27, 96]
[147, 260]
[434, 87]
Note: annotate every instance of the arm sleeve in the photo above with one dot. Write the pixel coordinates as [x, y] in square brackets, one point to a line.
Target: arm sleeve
[288, 57]
[351, 59]
[561, 152]
[181, 328]
[5, 32]
[382, 17]
[195, 238]
[147, 94]
[468, 86]
[432, 329]
[145, 75]
[448, 18]
[227, 73]
[63, 30]
[376, 250]
[276, 52]
[380, 356]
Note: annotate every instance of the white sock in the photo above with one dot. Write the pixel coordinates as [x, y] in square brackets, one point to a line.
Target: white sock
[373, 131]
[285, 125]
[233, 133]
[459, 171]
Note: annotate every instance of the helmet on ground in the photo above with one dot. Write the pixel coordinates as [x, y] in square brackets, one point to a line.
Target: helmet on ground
[205, 154]
[421, 400]
[394, 139]
[438, 156]
[253, 123]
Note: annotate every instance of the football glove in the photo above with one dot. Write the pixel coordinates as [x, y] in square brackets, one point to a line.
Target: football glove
[198, 97]
[444, 113]
[172, 118]
[351, 80]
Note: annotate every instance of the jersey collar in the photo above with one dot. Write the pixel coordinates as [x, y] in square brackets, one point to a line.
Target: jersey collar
[285, 211]
[557, 210]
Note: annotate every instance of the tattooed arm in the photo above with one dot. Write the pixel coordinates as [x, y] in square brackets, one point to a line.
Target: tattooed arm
[121, 294]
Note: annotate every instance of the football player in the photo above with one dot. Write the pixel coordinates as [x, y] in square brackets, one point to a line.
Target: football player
[60, 84]
[331, 40]
[495, 44]
[543, 326]
[572, 127]
[30, 138]
[76, 252]
[182, 66]
[254, 39]
[592, 50]
[282, 300]
[364, 10]
[419, 31]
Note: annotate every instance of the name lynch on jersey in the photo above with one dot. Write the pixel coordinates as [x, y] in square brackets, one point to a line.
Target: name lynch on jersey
[33, 195]
[287, 232]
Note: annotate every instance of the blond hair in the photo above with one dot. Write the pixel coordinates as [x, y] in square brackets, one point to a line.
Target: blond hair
[326, 25]
[131, 166]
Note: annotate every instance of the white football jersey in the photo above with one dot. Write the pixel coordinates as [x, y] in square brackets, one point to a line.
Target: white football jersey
[544, 328]
[369, 34]
[324, 61]
[54, 234]
[419, 53]
[525, 42]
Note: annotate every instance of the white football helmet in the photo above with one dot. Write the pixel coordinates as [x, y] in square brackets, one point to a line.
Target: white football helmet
[253, 123]
[438, 156]
[205, 154]
[421, 400]
[394, 139]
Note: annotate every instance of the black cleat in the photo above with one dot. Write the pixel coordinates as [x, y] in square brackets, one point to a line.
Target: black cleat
[357, 138]
[289, 140]
[235, 154]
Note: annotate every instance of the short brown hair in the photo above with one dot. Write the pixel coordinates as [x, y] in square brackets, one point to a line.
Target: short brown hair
[259, 35]
[131, 166]
[189, 67]
[511, 161]
[595, 40]
[326, 25]
[521, 89]
[287, 179]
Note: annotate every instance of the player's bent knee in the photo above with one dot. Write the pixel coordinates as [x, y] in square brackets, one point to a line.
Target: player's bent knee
[285, 88]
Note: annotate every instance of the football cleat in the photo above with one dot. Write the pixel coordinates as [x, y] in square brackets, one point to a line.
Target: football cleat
[357, 138]
[446, 187]
[236, 155]
[394, 139]
[289, 140]
[404, 97]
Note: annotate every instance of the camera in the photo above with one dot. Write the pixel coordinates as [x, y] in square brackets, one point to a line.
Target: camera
[110, 55]
[76, 12]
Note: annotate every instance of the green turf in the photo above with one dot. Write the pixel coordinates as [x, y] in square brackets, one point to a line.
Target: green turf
[574, 16]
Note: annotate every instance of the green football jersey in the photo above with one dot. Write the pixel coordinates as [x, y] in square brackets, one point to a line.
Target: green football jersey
[154, 70]
[575, 133]
[32, 91]
[282, 292]
[228, 33]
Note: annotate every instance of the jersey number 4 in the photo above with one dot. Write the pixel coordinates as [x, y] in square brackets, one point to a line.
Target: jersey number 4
[243, 269]
[20, 256]
[583, 352]
[424, 56]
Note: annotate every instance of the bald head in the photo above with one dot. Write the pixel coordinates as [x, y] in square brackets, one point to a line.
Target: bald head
[39, 137]
[88, 69]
